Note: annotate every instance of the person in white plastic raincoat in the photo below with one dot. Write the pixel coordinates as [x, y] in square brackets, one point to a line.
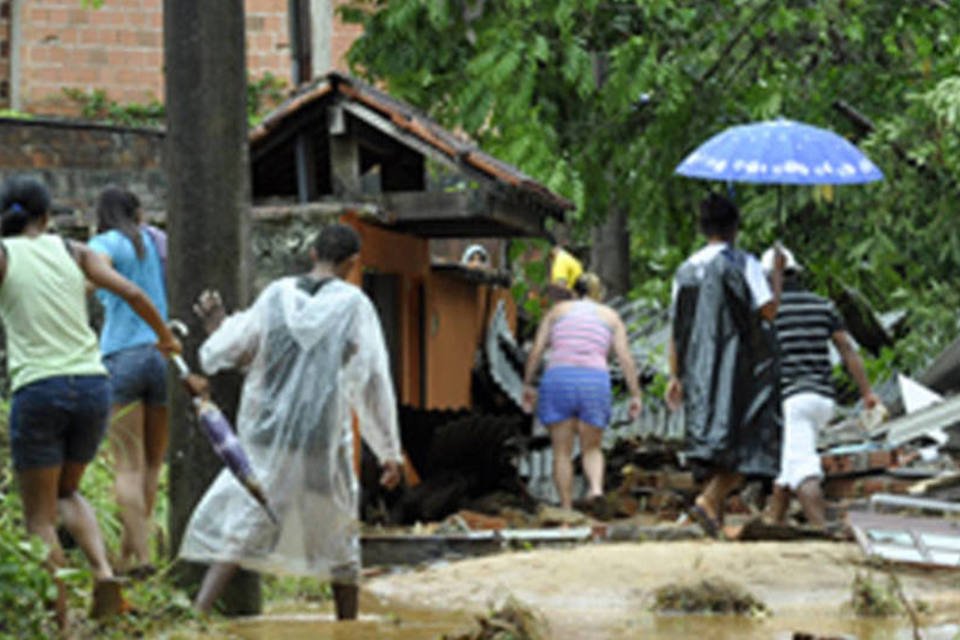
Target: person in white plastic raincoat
[314, 354]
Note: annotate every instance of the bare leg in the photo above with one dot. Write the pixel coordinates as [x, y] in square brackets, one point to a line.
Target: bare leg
[81, 521]
[592, 456]
[779, 502]
[38, 492]
[811, 499]
[126, 436]
[346, 599]
[714, 495]
[561, 437]
[214, 582]
[156, 437]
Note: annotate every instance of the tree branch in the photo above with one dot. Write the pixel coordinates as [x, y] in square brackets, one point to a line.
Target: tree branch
[758, 14]
[865, 125]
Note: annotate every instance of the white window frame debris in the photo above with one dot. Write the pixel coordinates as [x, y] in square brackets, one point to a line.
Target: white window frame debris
[917, 540]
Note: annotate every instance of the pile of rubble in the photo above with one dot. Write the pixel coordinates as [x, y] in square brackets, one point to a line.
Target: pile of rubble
[489, 469]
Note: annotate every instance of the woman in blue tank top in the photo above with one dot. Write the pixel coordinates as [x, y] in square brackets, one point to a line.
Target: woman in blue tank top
[138, 432]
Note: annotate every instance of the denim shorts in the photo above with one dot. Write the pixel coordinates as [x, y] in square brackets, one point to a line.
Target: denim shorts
[57, 420]
[137, 374]
[575, 392]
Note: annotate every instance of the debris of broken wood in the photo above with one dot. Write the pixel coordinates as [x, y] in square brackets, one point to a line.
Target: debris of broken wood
[510, 621]
[708, 596]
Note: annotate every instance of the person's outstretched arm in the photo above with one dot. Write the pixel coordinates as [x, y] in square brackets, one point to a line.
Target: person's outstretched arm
[534, 359]
[98, 270]
[621, 347]
[674, 392]
[368, 386]
[769, 309]
[854, 364]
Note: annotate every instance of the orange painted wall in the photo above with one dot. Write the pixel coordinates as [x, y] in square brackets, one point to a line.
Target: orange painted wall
[408, 256]
[457, 314]
[451, 328]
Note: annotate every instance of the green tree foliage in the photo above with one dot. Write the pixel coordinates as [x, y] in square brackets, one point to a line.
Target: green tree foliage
[601, 99]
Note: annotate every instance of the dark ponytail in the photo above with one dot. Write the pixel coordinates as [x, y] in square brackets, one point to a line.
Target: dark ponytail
[117, 209]
[22, 200]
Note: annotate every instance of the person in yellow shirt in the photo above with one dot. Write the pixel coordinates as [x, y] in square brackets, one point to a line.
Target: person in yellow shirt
[564, 271]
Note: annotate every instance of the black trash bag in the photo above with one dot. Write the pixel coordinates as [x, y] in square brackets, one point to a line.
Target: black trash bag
[729, 366]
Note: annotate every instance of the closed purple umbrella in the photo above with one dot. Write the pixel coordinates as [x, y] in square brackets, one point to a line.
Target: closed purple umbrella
[218, 430]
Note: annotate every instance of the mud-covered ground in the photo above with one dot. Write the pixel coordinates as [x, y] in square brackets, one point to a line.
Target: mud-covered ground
[606, 590]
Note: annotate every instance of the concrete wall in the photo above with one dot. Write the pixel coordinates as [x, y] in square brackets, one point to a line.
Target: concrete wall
[119, 48]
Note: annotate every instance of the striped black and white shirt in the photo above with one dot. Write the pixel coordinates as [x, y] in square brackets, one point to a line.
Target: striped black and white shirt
[805, 323]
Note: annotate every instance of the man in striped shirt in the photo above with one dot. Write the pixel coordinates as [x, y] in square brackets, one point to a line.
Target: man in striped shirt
[805, 324]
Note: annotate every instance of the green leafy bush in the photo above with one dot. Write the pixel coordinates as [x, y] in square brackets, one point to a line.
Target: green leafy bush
[25, 585]
[263, 95]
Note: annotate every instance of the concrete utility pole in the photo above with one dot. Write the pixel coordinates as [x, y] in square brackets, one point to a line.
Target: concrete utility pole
[209, 226]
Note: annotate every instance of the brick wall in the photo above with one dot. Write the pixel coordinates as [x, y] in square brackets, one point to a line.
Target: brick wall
[119, 48]
[342, 38]
[5, 9]
[77, 160]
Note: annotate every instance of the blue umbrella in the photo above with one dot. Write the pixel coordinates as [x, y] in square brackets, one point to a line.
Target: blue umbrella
[779, 152]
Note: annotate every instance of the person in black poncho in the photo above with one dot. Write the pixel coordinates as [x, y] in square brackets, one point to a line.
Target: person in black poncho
[723, 363]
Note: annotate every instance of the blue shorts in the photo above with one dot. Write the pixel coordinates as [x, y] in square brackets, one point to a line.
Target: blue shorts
[57, 420]
[138, 374]
[575, 392]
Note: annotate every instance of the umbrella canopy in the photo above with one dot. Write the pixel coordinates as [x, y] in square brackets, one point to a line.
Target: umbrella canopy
[779, 152]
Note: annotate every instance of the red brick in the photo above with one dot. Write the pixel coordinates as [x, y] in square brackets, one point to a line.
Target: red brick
[106, 16]
[87, 36]
[78, 16]
[149, 39]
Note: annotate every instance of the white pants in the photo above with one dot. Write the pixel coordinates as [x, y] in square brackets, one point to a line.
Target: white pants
[803, 416]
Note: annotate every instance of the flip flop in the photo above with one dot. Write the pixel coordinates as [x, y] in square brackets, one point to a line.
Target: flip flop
[141, 572]
[709, 525]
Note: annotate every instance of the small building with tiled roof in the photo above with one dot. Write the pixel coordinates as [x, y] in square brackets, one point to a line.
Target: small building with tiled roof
[340, 138]
[341, 145]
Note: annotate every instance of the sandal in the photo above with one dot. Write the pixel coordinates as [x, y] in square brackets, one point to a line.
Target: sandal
[141, 572]
[710, 526]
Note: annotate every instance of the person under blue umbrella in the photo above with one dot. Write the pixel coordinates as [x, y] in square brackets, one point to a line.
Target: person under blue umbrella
[723, 365]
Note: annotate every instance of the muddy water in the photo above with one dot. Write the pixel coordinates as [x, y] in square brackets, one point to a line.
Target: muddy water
[603, 592]
[380, 621]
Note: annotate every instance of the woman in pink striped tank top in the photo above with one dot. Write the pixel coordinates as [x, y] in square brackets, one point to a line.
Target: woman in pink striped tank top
[574, 396]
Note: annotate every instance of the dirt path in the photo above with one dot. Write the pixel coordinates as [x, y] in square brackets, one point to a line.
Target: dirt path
[604, 591]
